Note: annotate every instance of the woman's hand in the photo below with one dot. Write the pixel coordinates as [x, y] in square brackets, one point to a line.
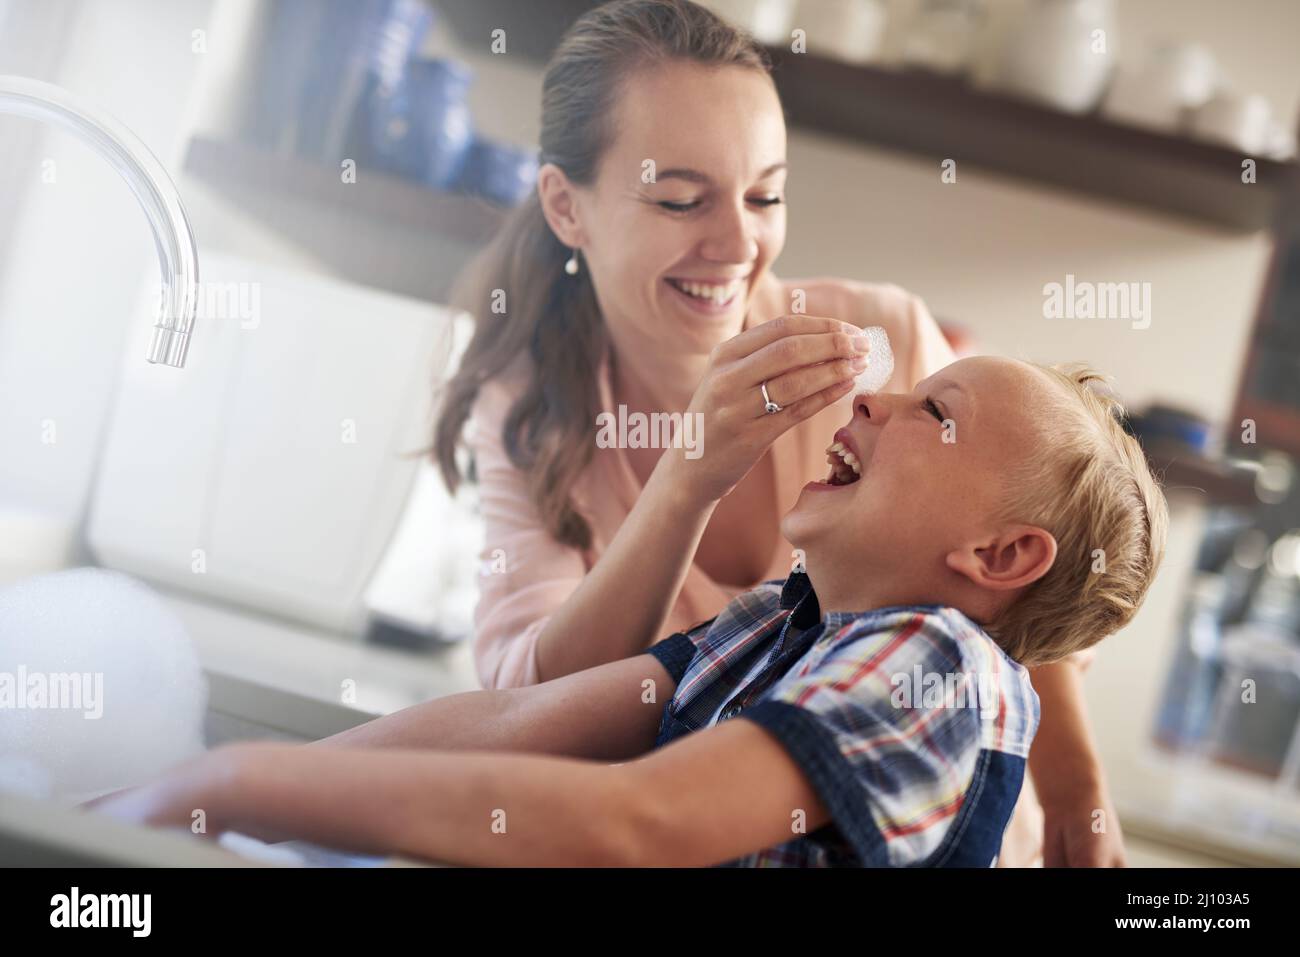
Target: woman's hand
[807, 362]
[1080, 826]
[1081, 829]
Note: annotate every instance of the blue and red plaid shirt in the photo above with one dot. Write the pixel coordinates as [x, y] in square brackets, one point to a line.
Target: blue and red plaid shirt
[910, 722]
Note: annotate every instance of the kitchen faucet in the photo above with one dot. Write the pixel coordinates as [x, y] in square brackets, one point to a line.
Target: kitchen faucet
[153, 189]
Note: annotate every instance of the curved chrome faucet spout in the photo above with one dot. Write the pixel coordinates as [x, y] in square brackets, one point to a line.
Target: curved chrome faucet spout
[152, 187]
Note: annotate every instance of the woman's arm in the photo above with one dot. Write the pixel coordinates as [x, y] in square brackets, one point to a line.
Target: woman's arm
[711, 797]
[535, 621]
[1081, 828]
[622, 603]
[542, 578]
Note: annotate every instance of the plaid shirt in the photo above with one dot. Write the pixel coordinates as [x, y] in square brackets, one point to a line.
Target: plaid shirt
[924, 779]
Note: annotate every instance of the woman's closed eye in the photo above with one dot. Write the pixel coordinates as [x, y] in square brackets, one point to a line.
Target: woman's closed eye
[680, 207]
[687, 206]
[933, 409]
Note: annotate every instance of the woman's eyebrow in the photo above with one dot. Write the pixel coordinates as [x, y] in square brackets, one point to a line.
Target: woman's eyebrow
[690, 175]
[695, 176]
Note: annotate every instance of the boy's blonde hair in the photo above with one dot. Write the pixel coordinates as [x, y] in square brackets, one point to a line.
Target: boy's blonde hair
[1093, 490]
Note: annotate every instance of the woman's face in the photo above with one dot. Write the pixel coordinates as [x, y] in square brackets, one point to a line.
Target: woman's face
[688, 208]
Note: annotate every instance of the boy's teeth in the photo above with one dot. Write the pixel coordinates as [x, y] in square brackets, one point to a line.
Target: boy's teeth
[838, 453]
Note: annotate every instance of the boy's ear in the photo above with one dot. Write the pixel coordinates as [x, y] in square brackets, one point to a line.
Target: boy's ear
[1017, 556]
[558, 197]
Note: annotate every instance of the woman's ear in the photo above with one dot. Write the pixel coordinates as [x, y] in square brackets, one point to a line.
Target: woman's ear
[559, 199]
[1016, 557]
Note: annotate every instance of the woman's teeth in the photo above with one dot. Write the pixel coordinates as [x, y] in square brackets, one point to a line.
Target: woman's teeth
[716, 294]
[845, 467]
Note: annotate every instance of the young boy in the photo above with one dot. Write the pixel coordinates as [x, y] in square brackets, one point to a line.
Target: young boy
[997, 517]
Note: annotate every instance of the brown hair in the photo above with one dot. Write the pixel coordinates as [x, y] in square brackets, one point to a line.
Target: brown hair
[553, 334]
[1093, 490]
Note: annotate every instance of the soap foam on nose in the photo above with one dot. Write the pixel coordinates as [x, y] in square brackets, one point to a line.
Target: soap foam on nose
[880, 361]
[151, 693]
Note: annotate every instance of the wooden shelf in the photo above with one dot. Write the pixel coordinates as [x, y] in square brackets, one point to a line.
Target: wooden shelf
[941, 117]
[1277, 426]
[381, 231]
[532, 29]
[376, 196]
[1181, 470]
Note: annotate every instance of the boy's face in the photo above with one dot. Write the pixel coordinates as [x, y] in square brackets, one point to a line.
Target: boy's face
[932, 464]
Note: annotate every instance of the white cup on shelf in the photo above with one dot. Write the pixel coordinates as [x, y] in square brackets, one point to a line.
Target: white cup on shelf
[1242, 121]
[1061, 53]
[1281, 142]
[941, 36]
[767, 20]
[1135, 100]
[1188, 71]
[848, 30]
[1178, 77]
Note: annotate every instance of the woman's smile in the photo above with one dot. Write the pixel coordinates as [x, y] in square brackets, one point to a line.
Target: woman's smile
[712, 297]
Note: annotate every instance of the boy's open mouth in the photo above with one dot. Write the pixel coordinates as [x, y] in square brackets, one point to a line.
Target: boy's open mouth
[845, 467]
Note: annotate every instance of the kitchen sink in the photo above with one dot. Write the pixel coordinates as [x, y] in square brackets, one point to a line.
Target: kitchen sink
[41, 834]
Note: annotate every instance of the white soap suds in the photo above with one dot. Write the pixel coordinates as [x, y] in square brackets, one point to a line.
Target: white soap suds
[880, 361]
[87, 642]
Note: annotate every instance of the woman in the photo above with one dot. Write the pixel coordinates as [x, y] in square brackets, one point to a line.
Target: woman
[623, 283]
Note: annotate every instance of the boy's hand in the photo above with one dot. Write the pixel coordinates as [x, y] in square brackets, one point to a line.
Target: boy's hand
[171, 800]
[807, 362]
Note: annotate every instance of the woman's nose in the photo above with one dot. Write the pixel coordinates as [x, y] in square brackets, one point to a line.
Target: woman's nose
[731, 236]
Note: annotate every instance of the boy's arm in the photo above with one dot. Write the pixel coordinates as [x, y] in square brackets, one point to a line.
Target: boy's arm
[610, 712]
[713, 796]
[1068, 775]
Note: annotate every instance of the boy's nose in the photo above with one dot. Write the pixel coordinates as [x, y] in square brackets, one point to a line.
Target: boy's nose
[874, 408]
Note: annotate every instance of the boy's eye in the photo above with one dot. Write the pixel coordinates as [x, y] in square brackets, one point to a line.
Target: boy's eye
[932, 408]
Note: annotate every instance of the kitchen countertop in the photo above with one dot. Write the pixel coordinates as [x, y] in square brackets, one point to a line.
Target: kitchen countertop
[320, 665]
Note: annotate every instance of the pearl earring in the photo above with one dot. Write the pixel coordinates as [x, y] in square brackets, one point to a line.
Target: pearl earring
[571, 267]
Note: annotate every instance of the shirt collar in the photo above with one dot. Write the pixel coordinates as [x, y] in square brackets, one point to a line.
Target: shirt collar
[798, 597]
